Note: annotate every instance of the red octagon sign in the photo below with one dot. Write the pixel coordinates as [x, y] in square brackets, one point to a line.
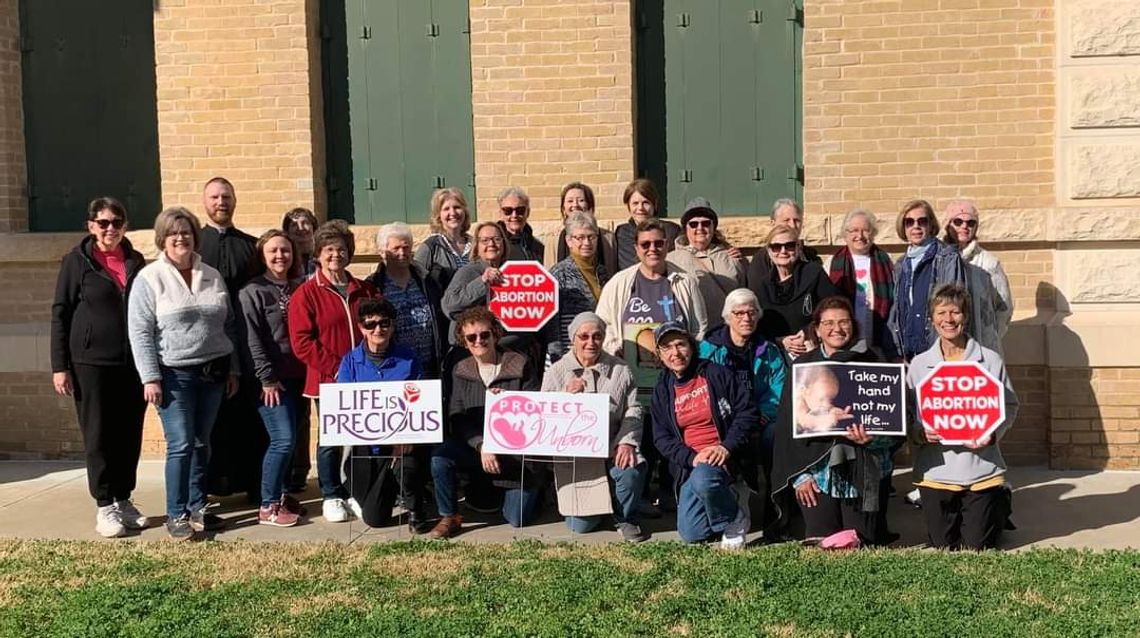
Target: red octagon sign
[527, 298]
[961, 402]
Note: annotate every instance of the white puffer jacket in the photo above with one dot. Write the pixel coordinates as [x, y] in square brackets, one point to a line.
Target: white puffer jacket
[989, 291]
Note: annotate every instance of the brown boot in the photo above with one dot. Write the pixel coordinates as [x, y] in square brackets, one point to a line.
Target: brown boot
[447, 527]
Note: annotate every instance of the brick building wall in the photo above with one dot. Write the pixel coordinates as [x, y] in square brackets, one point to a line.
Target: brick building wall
[13, 169]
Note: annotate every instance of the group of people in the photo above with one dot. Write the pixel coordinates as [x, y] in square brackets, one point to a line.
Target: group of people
[230, 337]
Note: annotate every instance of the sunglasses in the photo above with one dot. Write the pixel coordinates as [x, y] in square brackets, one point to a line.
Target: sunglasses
[475, 337]
[595, 337]
[516, 211]
[115, 223]
[958, 222]
[656, 243]
[700, 223]
[787, 246]
[372, 324]
[911, 221]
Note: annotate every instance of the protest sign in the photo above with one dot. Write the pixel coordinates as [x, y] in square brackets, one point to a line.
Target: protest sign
[547, 424]
[961, 402]
[828, 397]
[381, 413]
[526, 299]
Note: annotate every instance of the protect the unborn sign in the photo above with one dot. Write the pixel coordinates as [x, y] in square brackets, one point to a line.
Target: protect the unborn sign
[961, 402]
[547, 424]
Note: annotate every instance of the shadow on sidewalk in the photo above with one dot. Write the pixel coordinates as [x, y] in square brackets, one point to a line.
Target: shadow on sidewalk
[16, 471]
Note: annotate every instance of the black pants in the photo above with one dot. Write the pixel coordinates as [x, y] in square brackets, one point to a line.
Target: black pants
[238, 443]
[831, 515]
[375, 481]
[964, 520]
[109, 402]
[302, 463]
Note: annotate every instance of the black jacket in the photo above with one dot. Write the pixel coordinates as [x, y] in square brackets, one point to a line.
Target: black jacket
[785, 316]
[733, 411]
[523, 246]
[234, 254]
[625, 236]
[89, 314]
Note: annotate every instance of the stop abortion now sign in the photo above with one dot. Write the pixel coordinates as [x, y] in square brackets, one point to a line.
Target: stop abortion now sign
[961, 402]
[527, 298]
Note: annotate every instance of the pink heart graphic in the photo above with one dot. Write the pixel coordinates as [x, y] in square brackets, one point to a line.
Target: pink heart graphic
[861, 273]
[515, 422]
[508, 435]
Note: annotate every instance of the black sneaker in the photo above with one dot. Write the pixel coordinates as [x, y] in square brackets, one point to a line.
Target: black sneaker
[420, 524]
[202, 521]
[179, 528]
[632, 533]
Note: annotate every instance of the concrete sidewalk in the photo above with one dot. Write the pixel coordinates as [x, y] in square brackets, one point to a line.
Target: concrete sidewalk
[48, 499]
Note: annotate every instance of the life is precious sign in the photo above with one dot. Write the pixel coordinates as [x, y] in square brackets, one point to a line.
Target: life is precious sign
[961, 402]
[527, 298]
[381, 413]
[547, 424]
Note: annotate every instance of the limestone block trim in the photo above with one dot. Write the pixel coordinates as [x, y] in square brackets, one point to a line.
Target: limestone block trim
[1099, 28]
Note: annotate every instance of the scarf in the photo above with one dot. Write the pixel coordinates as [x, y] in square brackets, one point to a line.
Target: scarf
[586, 267]
[842, 274]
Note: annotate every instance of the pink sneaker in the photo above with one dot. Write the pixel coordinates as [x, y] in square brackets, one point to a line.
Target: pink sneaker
[276, 516]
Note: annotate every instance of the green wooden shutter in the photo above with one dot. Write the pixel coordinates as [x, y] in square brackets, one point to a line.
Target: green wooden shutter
[90, 109]
[404, 87]
[730, 97]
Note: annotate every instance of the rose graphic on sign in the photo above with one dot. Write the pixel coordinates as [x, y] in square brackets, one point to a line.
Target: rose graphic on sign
[547, 423]
[411, 392]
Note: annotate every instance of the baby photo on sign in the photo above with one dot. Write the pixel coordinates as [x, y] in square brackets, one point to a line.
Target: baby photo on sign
[828, 398]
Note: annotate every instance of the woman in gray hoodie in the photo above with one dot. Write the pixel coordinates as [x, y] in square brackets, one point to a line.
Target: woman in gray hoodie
[964, 497]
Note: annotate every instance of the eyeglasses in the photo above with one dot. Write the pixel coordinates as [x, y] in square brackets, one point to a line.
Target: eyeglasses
[596, 337]
[745, 313]
[486, 241]
[832, 323]
[517, 211]
[115, 223]
[474, 337]
[787, 246]
[372, 324]
[582, 239]
[700, 223]
[180, 234]
[959, 222]
[911, 221]
[655, 243]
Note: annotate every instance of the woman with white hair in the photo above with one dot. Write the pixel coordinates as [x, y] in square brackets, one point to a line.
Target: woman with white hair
[985, 278]
[580, 278]
[864, 274]
[514, 209]
[419, 322]
[589, 489]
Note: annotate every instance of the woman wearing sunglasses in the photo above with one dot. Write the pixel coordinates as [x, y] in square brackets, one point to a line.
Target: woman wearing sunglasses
[91, 361]
[927, 264]
[514, 210]
[489, 367]
[378, 472]
[704, 253]
[988, 285]
[791, 291]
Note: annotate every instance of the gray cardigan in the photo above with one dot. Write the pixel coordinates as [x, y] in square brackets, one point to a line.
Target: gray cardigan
[266, 330]
[959, 465]
[465, 290]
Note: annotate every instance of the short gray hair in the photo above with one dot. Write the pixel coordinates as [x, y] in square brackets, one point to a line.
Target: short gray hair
[580, 219]
[514, 191]
[784, 201]
[740, 297]
[872, 221]
[395, 230]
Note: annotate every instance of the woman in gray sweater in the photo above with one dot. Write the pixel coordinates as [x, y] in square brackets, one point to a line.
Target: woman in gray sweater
[964, 496]
[182, 332]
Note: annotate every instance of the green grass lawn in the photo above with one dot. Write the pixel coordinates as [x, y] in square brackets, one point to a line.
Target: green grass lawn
[219, 589]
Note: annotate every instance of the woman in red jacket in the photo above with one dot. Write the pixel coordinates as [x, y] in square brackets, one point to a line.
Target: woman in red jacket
[322, 330]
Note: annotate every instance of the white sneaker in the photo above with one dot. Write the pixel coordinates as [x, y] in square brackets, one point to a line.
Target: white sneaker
[107, 522]
[732, 543]
[334, 510]
[736, 533]
[130, 515]
[913, 497]
[355, 507]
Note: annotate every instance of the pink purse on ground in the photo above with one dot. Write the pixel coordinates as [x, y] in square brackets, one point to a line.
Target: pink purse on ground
[846, 539]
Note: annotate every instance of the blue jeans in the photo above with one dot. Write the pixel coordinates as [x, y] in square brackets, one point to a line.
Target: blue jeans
[447, 460]
[281, 424]
[625, 490]
[520, 507]
[707, 503]
[187, 411]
